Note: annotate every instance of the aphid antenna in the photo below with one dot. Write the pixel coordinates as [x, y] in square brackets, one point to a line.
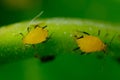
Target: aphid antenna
[35, 18]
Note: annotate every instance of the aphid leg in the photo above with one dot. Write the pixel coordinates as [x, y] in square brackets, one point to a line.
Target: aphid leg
[76, 49]
[48, 38]
[39, 26]
[82, 53]
[104, 51]
[85, 32]
[45, 41]
[21, 35]
[28, 29]
[78, 37]
[99, 32]
[44, 27]
[36, 26]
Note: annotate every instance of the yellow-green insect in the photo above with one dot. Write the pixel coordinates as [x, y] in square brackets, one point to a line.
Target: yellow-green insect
[37, 35]
[88, 43]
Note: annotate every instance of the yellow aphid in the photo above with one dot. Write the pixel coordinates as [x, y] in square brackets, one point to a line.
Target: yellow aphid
[35, 36]
[88, 44]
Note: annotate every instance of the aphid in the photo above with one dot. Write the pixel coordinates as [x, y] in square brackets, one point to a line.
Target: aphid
[37, 35]
[88, 43]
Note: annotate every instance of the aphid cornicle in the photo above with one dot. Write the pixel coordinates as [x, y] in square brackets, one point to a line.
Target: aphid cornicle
[88, 43]
[37, 35]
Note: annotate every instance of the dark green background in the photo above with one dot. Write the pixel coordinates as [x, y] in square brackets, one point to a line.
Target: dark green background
[12, 11]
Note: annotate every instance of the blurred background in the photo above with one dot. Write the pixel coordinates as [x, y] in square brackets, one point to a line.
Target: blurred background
[12, 11]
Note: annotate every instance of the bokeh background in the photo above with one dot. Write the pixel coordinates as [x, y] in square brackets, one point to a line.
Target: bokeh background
[12, 11]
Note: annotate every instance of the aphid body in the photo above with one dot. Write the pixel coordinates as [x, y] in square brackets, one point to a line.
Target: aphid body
[35, 36]
[89, 43]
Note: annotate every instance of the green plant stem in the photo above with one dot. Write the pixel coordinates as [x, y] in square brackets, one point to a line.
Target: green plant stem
[61, 42]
